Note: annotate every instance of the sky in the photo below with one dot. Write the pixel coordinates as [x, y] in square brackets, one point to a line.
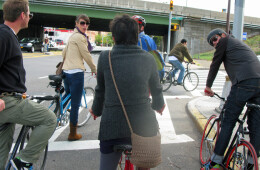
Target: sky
[252, 7]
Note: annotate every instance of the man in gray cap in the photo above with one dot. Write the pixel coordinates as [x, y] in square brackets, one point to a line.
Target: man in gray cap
[243, 69]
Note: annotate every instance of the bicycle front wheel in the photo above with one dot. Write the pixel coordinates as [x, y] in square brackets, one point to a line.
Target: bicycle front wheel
[190, 81]
[166, 81]
[209, 138]
[40, 164]
[242, 156]
[86, 104]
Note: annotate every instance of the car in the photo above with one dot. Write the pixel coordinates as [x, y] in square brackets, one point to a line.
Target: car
[59, 42]
[31, 44]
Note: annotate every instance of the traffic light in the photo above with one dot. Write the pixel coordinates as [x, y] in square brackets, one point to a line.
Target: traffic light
[171, 5]
[175, 27]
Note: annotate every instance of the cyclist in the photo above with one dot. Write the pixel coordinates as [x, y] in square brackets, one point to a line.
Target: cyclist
[243, 69]
[176, 57]
[144, 40]
[18, 110]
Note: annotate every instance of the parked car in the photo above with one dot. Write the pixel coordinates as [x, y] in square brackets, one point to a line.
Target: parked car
[31, 44]
[59, 42]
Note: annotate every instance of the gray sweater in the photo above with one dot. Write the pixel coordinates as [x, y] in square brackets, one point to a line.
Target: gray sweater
[135, 72]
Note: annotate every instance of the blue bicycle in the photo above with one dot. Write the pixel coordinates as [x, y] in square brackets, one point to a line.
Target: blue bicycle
[61, 102]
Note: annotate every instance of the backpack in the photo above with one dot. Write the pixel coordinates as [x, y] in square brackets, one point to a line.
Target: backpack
[157, 56]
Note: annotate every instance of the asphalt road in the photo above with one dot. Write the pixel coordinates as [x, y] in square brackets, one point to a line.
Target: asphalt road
[180, 136]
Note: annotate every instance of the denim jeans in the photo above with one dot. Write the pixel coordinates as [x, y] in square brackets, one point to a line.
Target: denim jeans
[245, 91]
[178, 66]
[74, 84]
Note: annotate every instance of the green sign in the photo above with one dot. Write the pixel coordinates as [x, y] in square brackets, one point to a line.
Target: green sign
[177, 18]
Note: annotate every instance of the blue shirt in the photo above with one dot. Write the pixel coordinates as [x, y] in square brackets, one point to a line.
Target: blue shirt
[142, 36]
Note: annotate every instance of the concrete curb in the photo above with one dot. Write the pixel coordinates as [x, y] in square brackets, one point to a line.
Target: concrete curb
[199, 118]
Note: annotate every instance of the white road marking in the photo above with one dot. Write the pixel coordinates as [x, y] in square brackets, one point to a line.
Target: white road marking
[166, 129]
[44, 77]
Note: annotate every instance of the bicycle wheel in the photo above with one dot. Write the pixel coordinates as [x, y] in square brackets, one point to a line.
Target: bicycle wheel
[40, 164]
[190, 81]
[239, 157]
[166, 81]
[86, 104]
[209, 138]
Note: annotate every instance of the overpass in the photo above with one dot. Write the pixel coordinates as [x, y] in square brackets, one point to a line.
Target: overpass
[195, 23]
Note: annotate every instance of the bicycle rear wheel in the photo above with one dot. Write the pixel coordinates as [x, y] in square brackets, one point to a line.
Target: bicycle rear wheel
[242, 156]
[166, 81]
[209, 138]
[190, 81]
[40, 164]
[86, 104]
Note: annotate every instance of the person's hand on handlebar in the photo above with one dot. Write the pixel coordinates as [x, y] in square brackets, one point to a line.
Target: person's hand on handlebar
[208, 92]
[92, 114]
[192, 62]
[2, 105]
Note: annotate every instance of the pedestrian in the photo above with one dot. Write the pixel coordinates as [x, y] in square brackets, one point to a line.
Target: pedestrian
[75, 52]
[243, 69]
[46, 44]
[14, 109]
[176, 58]
[135, 73]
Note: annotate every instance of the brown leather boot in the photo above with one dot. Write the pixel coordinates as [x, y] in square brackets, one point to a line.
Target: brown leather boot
[73, 133]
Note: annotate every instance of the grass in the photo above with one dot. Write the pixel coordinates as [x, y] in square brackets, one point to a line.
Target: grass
[253, 43]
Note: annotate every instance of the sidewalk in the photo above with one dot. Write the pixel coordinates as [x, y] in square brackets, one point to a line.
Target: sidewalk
[201, 108]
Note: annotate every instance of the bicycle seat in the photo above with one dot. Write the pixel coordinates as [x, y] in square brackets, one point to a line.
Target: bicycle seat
[55, 78]
[122, 148]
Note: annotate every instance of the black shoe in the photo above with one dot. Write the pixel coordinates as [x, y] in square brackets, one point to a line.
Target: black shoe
[181, 84]
[17, 164]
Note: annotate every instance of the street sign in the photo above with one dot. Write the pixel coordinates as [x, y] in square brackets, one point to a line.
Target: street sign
[244, 35]
[177, 18]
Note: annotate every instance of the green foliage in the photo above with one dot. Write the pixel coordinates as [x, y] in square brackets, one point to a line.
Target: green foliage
[205, 56]
[107, 40]
[158, 40]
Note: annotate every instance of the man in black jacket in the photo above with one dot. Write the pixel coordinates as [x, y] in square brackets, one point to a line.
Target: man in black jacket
[243, 69]
[14, 109]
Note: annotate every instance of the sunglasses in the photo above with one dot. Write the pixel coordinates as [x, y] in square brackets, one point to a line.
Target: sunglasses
[31, 15]
[213, 39]
[84, 23]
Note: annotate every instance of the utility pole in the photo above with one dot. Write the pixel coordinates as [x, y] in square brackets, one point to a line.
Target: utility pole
[239, 19]
[228, 16]
[169, 31]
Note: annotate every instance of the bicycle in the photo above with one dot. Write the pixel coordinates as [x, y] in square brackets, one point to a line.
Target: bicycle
[126, 150]
[239, 151]
[190, 80]
[61, 102]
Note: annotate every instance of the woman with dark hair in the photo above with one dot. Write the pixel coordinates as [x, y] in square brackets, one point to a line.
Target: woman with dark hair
[136, 74]
[74, 53]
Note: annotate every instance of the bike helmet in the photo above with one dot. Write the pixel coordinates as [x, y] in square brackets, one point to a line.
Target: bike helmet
[140, 20]
[216, 31]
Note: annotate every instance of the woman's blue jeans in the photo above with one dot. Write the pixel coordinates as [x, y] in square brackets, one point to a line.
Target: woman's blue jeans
[178, 66]
[245, 91]
[74, 84]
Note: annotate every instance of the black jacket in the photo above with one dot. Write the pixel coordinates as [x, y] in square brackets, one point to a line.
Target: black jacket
[12, 72]
[135, 72]
[240, 62]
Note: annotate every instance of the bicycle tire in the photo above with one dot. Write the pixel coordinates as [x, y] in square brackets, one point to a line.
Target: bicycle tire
[208, 140]
[239, 155]
[166, 81]
[40, 164]
[84, 114]
[190, 81]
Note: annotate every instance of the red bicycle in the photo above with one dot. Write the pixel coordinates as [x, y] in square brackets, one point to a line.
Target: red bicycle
[240, 154]
[125, 164]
